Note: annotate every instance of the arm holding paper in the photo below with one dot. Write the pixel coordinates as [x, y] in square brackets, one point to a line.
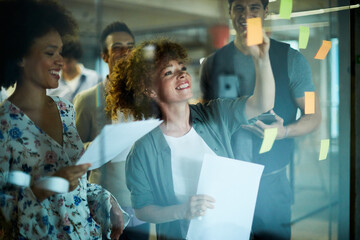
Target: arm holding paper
[70, 173]
[147, 206]
[195, 207]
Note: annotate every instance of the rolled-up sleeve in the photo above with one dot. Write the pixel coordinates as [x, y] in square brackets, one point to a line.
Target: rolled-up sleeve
[136, 180]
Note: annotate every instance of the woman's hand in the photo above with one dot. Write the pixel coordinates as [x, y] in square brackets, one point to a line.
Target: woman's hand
[198, 205]
[70, 173]
[259, 127]
[117, 220]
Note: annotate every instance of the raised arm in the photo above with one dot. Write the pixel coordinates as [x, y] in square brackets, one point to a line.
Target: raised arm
[263, 98]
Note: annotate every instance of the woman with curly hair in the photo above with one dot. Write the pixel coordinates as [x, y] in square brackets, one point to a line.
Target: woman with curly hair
[38, 134]
[163, 167]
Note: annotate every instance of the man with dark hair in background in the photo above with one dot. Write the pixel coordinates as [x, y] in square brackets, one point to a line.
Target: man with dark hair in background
[231, 67]
[116, 41]
[74, 76]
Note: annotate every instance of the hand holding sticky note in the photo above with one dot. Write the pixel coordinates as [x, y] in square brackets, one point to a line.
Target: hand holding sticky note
[309, 102]
[324, 149]
[269, 138]
[323, 51]
[304, 33]
[254, 31]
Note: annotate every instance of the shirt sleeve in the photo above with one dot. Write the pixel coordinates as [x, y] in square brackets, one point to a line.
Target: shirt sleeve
[136, 180]
[100, 205]
[83, 118]
[230, 111]
[19, 206]
[299, 73]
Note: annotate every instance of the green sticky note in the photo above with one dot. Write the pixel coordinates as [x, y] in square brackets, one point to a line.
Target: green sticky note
[285, 9]
[324, 149]
[304, 33]
[269, 138]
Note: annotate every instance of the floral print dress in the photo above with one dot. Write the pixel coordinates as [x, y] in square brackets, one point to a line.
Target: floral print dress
[25, 147]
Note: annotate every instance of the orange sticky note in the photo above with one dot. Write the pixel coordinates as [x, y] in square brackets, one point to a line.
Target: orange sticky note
[309, 102]
[323, 51]
[254, 31]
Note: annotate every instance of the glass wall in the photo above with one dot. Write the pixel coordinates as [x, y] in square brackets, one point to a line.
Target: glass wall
[320, 188]
[316, 184]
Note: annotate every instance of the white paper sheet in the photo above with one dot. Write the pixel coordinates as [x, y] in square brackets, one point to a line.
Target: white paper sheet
[234, 184]
[114, 140]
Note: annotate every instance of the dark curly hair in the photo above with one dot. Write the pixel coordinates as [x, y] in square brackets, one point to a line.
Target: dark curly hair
[21, 22]
[134, 76]
[111, 28]
[72, 48]
[264, 3]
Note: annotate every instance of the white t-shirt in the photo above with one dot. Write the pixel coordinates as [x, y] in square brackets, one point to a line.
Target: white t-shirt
[73, 83]
[187, 153]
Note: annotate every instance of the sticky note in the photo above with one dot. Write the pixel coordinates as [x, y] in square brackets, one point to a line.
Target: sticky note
[19, 178]
[309, 102]
[324, 149]
[323, 51]
[269, 138]
[254, 31]
[285, 9]
[54, 184]
[304, 33]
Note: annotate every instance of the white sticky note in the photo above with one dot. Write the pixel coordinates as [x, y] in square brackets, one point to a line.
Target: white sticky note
[324, 149]
[269, 138]
[19, 178]
[54, 184]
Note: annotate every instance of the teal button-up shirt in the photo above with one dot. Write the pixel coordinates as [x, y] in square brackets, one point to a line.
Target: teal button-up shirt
[148, 165]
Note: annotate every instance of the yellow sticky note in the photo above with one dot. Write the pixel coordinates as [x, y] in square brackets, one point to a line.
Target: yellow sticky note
[309, 102]
[254, 31]
[324, 149]
[304, 33]
[285, 9]
[269, 138]
[323, 51]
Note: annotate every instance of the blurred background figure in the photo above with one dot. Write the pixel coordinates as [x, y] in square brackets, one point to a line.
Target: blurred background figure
[116, 41]
[74, 76]
[38, 134]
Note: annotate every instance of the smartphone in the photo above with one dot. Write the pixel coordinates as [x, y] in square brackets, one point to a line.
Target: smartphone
[267, 118]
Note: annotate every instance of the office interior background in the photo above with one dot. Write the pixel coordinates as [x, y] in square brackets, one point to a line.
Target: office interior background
[326, 203]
